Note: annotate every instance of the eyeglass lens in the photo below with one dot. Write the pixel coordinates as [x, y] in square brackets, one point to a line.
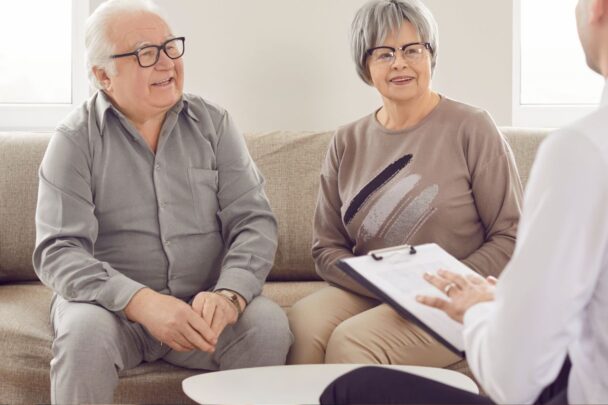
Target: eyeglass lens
[411, 53]
[149, 55]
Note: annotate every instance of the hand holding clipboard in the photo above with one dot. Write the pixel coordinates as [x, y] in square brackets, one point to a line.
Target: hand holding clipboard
[396, 275]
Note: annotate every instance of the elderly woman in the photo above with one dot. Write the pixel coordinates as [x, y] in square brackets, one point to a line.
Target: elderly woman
[153, 228]
[422, 168]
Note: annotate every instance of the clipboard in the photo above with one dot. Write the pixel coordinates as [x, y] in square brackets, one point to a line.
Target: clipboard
[395, 276]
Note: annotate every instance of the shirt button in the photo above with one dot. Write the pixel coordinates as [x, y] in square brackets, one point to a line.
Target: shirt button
[167, 243]
[157, 166]
[163, 204]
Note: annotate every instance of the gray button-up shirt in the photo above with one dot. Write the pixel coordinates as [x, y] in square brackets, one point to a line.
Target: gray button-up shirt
[113, 217]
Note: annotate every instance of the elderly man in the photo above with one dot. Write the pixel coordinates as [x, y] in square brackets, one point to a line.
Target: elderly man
[153, 228]
[540, 335]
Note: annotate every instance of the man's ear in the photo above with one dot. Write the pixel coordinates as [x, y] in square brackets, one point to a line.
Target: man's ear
[597, 10]
[102, 78]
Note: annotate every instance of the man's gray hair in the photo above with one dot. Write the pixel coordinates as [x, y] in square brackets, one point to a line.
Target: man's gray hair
[379, 18]
[98, 44]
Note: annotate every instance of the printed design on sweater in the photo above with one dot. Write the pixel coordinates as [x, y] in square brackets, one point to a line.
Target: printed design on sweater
[374, 185]
[398, 208]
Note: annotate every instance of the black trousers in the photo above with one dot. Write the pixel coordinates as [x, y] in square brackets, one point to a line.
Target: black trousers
[376, 385]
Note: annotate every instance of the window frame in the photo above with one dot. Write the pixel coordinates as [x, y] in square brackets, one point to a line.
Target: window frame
[43, 116]
[537, 115]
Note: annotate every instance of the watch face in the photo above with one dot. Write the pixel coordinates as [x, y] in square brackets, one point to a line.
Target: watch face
[233, 298]
[228, 294]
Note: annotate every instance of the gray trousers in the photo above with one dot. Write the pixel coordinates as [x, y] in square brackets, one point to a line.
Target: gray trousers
[92, 345]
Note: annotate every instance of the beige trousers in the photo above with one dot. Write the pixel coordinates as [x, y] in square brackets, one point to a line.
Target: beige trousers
[337, 326]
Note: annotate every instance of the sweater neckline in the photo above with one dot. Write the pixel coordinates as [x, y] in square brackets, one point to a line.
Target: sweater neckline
[379, 127]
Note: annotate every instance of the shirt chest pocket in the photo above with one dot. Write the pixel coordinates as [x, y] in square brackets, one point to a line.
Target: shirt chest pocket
[204, 187]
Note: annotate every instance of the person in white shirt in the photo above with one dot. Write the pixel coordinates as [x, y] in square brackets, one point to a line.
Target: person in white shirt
[540, 333]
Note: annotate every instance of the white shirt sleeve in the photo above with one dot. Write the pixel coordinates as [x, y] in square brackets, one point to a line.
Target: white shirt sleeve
[517, 344]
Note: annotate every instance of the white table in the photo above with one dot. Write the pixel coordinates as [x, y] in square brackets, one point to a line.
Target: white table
[298, 384]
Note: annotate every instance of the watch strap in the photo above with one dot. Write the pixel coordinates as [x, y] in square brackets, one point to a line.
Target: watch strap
[232, 297]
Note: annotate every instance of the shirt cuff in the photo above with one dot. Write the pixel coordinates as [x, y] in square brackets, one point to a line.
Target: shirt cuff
[117, 293]
[240, 281]
[476, 315]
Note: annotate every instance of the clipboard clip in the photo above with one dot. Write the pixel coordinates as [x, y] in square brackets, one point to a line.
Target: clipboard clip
[375, 254]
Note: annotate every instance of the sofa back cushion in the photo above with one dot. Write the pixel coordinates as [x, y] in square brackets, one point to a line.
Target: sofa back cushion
[290, 162]
[20, 156]
[524, 143]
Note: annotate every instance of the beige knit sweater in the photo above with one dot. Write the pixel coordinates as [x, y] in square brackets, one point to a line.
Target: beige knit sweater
[451, 179]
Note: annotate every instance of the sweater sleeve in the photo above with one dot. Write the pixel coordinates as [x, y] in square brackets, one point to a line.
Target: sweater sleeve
[497, 192]
[331, 241]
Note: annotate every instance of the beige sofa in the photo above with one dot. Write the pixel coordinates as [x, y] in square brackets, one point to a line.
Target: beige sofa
[290, 162]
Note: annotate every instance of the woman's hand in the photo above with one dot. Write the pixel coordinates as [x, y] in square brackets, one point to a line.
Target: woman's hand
[463, 292]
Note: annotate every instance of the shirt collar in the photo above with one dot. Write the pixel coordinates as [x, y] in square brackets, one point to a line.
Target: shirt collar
[183, 105]
[186, 104]
[103, 105]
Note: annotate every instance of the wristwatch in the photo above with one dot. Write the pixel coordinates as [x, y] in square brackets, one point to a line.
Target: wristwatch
[232, 297]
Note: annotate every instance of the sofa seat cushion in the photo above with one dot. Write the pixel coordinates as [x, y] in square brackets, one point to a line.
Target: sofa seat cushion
[287, 293]
[26, 338]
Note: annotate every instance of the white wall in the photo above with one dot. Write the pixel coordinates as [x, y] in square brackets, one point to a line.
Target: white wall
[285, 64]
[476, 41]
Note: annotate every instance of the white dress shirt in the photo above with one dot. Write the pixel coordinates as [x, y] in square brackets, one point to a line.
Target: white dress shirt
[552, 298]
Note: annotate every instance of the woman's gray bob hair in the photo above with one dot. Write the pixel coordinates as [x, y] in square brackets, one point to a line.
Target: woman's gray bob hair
[97, 41]
[378, 18]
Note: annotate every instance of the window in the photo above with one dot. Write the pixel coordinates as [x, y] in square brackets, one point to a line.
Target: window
[42, 73]
[553, 85]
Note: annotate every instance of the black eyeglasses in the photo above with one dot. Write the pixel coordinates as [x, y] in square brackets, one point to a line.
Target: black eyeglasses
[148, 55]
[411, 52]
